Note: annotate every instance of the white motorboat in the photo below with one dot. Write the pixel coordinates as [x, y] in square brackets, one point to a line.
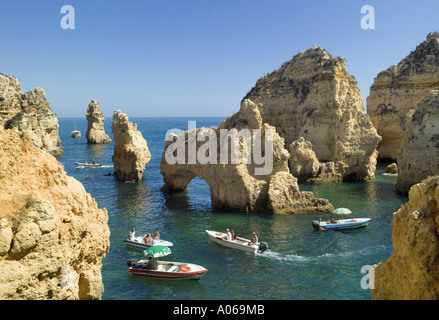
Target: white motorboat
[76, 133]
[138, 243]
[88, 165]
[340, 224]
[239, 243]
[167, 270]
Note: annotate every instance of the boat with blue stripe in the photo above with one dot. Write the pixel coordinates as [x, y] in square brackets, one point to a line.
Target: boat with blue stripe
[340, 224]
[138, 243]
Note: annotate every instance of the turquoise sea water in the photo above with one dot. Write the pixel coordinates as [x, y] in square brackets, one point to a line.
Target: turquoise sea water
[301, 263]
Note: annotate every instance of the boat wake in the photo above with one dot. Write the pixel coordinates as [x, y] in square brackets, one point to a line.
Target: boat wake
[326, 257]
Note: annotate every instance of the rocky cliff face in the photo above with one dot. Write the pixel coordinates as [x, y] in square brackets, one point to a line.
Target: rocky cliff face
[396, 90]
[418, 156]
[131, 153]
[30, 114]
[246, 183]
[95, 119]
[312, 96]
[53, 236]
[412, 271]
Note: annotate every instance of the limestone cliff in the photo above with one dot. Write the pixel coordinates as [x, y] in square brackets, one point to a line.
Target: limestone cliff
[226, 158]
[95, 130]
[30, 114]
[131, 153]
[53, 236]
[312, 96]
[396, 90]
[418, 156]
[412, 271]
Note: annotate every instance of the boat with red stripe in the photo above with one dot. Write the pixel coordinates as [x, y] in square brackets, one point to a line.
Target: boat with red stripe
[167, 270]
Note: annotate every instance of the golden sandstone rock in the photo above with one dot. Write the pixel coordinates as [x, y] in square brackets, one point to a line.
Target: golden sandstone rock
[243, 185]
[131, 153]
[313, 97]
[95, 125]
[37, 243]
[412, 271]
[30, 114]
[396, 90]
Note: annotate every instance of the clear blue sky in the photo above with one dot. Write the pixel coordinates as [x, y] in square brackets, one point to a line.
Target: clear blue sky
[192, 58]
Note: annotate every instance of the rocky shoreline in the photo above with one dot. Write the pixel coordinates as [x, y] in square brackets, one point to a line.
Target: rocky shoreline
[309, 111]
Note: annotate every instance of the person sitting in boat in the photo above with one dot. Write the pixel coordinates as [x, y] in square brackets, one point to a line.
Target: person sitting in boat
[132, 235]
[332, 220]
[156, 236]
[152, 264]
[148, 239]
[254, 239]
[233, 235]
[228, 236]
[94, 161]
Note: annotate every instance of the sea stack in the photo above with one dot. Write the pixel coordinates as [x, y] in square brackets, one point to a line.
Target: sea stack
[30, 114]
[412, 271]
[313, 97]
[240, 184]
[131, 153]
[396, 90]
[95, 130]
[53, 236]
[418, 157]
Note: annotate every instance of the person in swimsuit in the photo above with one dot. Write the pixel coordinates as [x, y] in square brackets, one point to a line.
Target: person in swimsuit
[254, 239]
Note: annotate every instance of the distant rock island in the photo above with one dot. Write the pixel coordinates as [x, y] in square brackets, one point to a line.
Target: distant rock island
[30, 114]
[95, 125]
[131, 153]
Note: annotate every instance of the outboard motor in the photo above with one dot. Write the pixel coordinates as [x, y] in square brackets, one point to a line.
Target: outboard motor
[316, 224]
[131, 262]
[263, 246]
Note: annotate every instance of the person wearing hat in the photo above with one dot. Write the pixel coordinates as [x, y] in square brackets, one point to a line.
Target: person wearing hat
[254, 239]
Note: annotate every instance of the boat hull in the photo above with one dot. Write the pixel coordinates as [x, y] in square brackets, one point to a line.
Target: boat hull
[239, 244]
[168, 270]
[342, 224]
[88, 165]
[143, 246]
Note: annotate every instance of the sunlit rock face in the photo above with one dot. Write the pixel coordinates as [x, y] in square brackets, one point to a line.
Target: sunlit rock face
[313, 97]
[30, 114]
[396, 90]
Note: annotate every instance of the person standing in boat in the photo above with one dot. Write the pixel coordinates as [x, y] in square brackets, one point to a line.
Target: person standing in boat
[254, 239]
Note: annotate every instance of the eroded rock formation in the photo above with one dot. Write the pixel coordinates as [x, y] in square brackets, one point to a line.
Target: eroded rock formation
[131, 153]
[53, 236]
[257, 180]
[412, 271]
[312, 96]
[396, 90]
[30, 114]
[95, 131]
[418, 156]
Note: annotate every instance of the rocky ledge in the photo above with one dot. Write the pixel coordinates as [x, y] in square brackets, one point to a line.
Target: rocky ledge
[412, 271]
[53, 236]
[30, 114]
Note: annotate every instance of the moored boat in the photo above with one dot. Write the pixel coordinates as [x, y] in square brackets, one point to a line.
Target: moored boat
[239, 243]
[75, 133]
